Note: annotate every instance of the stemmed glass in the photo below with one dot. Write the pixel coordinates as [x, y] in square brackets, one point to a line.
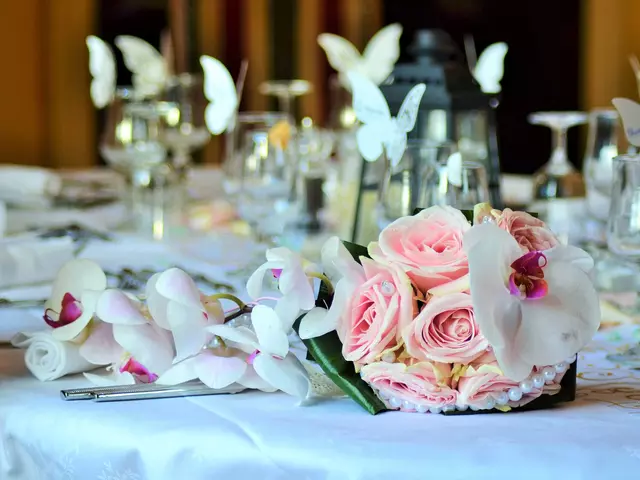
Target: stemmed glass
[184, 127]
[131, 144]
[285, 91]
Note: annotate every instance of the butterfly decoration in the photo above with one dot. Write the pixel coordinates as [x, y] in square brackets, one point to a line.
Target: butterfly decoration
[489, 69]
[630, 114]
[150, 69]
[380, 131]
[377, 61]
[102, 66]
[220, 91]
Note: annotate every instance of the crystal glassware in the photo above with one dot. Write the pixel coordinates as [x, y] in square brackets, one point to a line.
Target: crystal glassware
[285, 91]
[623, 227]
[184, 130]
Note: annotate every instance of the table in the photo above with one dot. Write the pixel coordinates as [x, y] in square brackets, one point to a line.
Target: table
[266, 436]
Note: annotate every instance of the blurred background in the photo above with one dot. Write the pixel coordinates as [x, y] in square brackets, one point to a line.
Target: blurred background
[563, 55]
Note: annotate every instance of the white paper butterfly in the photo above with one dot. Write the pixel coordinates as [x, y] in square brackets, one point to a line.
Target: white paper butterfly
[377, 61]
[489, 69]
[220, 90]
[102, 66]
[149, 68]
[382, 132]
[630, 113]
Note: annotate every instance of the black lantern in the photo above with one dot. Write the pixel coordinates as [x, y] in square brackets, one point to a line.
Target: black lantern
[453, 108]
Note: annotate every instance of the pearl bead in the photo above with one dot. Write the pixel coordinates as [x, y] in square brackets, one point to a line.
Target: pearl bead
[538, 381]
[515, 394]
[395, 402]
[474, 408]
[526, 386]
[561, 367]
[422, 408]
[462, 408]
[435, 409]
[502, 398]
[387, 288]
[549, 373]
[490, 403]
[389, 357]
[488, 219]
[448, 408]
[408, 405]
[383, 395]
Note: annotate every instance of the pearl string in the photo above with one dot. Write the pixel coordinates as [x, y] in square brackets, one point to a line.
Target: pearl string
[547, 376]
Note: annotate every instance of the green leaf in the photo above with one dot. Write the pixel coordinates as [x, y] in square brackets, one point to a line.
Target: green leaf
[356, 250]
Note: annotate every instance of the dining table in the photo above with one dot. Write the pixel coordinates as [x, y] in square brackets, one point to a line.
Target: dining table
[257, 435]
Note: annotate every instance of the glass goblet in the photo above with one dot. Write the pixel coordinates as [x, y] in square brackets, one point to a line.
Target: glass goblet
[285, 91]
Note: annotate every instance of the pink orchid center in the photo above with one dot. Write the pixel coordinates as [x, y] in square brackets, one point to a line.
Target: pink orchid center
[71, 310]
[527, 279]
[276, 272]
[138, 370]
[251, 358]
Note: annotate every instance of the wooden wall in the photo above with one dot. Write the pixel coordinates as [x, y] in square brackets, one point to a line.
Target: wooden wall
[47, 117]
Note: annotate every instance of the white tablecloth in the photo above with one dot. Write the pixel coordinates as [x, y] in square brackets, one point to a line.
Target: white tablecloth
[266, 436]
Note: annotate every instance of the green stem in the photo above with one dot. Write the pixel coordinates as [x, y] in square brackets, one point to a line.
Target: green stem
[227, 296]
[323, 278]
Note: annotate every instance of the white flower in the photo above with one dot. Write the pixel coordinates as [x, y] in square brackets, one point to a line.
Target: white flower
[297, 289]
[345, 274]
[176, 304]
[534, 309]
[136, 349]
[73, 299]
[267, 350]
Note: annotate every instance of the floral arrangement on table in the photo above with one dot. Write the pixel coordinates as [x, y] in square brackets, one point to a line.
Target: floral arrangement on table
[444, 313]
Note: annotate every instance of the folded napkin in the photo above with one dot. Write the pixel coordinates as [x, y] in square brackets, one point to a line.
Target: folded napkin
[28, 186]
[48, 358]
[28, 260]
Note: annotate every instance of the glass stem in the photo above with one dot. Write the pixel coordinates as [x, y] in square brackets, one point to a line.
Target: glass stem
[559, 143]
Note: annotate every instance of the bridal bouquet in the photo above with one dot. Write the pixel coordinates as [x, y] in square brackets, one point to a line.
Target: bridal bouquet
[447, 311]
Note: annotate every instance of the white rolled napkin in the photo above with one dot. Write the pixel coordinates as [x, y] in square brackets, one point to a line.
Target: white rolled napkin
[30, 260]
[28, 186]
[49, 359]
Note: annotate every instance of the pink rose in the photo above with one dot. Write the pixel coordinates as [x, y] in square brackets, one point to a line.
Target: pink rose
[416, 387]
[445, 331]
[482, 385]
[531, 233]
[428, 246]
[368, 326]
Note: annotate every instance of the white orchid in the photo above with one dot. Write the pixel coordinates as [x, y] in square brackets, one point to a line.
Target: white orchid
[176, 304]
[136, 349]
[73, 299]
[345, 274]
[535, 309]
[297, 288]
[266, 349]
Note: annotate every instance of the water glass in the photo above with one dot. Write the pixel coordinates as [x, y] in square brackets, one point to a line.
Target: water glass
[623, 227]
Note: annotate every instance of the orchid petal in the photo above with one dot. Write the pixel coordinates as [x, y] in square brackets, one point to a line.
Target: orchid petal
[113, 378]
[335, 257]
[176, 285]
[287, 308]
[156, 303]
[188, 329]
[147, 345]
[74, 277]
[101, 348]
[180, 372]
[243, 337]
[89, 300]
[573, 255]
[285, 374]
[254, 284]
[269, 330]
[561, 323]
[114, 306]
[219, 372]
[252, 380]
[314, 324]
[491, 251]
[278, 254]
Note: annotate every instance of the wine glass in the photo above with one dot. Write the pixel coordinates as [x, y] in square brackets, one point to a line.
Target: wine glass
[404, 185]
[184, 130]
[285, 91]
[235, 143]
